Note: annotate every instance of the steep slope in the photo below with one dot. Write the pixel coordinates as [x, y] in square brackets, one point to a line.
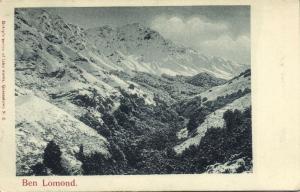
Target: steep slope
[45, 123]
[214, 119]
[139, 48]
[45, 54]
[235, 94]
[240, 82]
[49, 66]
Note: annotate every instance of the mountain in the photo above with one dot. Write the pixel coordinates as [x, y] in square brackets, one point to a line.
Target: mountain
[139, 48]
[129, 47]
[123, 97]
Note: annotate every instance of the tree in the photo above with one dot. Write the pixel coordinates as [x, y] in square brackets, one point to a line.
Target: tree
[97, 164]
[232, 119]
[117, 153]
[39, 169]
[126, 105]
[52, 158]
[93, 164]
[192, 124]
[131, 86]
[80, 154]
[196, 119]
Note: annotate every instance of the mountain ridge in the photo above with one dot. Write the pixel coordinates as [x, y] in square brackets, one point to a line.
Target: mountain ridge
[125, 46]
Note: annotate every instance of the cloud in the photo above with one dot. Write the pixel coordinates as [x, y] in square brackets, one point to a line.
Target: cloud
[225, 46]
[187, 29]
[211, 38]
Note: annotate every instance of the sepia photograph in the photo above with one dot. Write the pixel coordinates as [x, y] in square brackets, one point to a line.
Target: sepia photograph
[133, 90]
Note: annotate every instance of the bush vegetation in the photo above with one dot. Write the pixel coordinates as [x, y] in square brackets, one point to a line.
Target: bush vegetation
[142, 137]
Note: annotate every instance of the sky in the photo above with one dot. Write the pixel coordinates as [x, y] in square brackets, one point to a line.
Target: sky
[212, 30]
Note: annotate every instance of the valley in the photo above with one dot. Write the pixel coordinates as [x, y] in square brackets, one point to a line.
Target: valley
[125, 100]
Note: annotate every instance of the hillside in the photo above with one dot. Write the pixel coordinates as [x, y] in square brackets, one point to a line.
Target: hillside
[46, 123]
[235, 94]
[120, 100]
